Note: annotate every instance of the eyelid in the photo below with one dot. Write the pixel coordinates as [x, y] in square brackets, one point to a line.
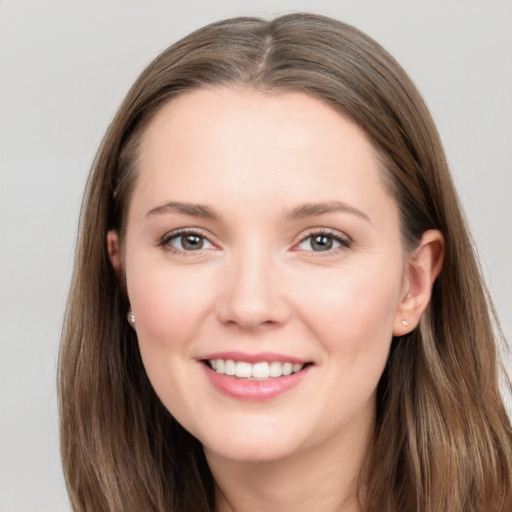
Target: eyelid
[344, 240]
[164, 240]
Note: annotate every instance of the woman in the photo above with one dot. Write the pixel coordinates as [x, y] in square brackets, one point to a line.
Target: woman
[275, 303]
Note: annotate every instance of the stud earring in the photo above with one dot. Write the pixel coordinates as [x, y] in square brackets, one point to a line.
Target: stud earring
[131, 318]
[404, 323]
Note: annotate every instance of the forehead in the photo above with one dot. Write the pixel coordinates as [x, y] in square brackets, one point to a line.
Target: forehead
[220, 144]
[240, 114]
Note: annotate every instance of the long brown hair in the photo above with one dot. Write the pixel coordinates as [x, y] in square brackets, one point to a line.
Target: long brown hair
[443, 440]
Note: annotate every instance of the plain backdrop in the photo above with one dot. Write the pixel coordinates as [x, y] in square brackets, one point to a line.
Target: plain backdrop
[65, 67]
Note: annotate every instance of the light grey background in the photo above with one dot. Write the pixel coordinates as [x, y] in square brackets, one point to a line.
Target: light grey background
[65, 67]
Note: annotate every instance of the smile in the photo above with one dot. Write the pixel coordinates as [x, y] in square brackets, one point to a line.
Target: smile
[258, 371]
[254, 377]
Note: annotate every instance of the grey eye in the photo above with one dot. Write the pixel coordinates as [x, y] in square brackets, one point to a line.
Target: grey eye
[318, 243]
[190, 242]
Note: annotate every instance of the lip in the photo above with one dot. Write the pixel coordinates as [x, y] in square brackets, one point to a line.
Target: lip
[254, 358]
[254, 390]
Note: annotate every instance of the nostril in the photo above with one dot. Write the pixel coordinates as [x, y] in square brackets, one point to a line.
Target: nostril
[253, 312]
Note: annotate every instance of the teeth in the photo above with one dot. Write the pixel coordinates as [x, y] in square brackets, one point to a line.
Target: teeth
[276, 369]
[243, 369]
[258, 371]
[229, 367]
[287, 368]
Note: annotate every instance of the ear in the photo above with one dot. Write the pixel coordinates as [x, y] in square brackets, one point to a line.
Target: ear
[114, 252]
[422, 268]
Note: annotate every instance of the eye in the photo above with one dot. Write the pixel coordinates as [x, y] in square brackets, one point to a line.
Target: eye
[186, 241]
[323, 241]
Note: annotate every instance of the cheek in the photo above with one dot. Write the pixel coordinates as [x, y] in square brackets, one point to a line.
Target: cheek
[352, 320]
[169, 304]
[354, 311]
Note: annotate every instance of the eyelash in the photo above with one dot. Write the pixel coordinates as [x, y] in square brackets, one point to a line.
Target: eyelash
[168, 237]
[343, 241]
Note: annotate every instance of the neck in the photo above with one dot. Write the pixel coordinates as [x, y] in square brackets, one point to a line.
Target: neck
[320, 479]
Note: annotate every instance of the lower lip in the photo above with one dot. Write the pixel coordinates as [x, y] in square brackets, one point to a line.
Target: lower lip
[254, 390]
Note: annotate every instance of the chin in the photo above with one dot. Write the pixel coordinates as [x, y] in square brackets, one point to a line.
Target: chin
[250, 453]
[247, 445]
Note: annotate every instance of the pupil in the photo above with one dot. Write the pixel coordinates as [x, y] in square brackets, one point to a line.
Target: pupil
[192, 242]
[322, 243]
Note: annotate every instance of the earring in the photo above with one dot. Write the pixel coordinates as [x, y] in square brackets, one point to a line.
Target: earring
[404, 322]
[131, 318]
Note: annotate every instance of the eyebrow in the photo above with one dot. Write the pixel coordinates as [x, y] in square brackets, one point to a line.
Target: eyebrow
[313, 209]
[302, 211]
[192, 209]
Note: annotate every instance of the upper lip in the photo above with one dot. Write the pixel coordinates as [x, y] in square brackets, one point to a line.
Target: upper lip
[255, 357]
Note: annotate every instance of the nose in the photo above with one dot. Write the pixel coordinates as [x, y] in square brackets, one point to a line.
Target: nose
[252, 295]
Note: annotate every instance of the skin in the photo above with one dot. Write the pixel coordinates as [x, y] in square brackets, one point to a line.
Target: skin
[258, 284]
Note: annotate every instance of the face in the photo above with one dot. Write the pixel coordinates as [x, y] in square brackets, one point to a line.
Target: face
[264, 268]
